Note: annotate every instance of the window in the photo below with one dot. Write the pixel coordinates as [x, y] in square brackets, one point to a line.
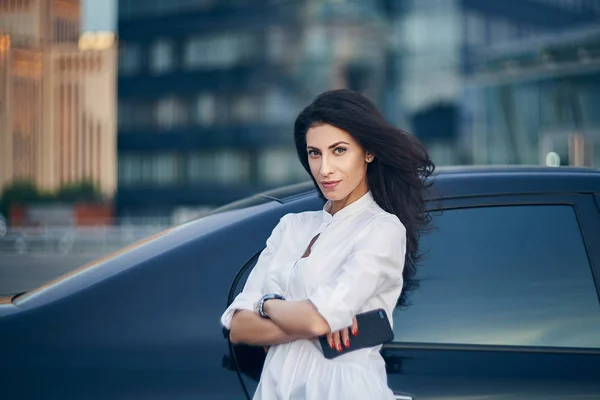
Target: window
[219, 51]
[171, 112]
[124, 111]
[278, 166]
[134, 114]
[133, 8]
[279, 106]
[130, 169]
[206, 109]
[148, 168]
[221, 167]
[161, 57]
[165, 169]
[129, 59]
[511, 275]
[246, 108]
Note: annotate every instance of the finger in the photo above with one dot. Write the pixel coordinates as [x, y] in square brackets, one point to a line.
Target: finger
[336, 341]
[346, 337]
[330, 339]
[354, 327]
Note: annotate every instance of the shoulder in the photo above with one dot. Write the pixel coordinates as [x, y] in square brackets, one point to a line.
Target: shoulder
[295, 220]
[383, 237]
[382, 223]
[305, 216]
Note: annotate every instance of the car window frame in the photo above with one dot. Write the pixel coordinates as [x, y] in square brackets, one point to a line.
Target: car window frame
[233, 354]
[588, 219]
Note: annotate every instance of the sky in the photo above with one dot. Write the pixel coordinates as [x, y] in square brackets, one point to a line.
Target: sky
[99, 15]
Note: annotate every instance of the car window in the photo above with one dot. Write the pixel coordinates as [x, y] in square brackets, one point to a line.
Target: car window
[504, 275]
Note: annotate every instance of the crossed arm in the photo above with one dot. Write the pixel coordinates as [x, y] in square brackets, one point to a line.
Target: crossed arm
[372, 268]
[289, 321]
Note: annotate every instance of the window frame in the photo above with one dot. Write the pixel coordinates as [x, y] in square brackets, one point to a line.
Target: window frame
[588, 219]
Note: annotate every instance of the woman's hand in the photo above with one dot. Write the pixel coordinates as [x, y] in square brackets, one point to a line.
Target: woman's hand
[342, 338]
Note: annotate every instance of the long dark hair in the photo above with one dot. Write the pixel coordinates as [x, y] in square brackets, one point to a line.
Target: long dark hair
[398, 175]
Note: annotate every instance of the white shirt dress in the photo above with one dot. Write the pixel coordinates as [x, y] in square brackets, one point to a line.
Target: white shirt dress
[354, 266]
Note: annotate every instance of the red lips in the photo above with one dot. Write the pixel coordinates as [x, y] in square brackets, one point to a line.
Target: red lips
[330, 184]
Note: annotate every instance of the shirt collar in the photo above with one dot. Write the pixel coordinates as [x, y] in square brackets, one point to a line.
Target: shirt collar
[361, 203]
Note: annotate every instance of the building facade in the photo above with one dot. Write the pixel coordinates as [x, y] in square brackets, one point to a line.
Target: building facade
[57, 97]
[208, 90]
[537, 104]
[439, 44]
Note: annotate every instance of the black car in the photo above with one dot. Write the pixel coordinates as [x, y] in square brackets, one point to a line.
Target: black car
[508, 305]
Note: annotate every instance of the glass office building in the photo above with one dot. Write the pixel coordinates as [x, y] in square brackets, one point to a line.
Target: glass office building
[209, 89]
[438, 46]
[537, 103]
[208, 93]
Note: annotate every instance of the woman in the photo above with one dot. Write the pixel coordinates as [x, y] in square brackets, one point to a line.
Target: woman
[320, 269]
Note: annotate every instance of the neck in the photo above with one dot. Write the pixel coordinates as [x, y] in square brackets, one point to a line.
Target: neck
[356, 194]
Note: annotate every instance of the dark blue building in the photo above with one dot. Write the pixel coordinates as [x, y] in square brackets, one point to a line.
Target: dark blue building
[208, 92]
[209, 89]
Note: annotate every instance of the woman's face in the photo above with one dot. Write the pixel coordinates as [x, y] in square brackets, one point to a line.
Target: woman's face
[337, 162]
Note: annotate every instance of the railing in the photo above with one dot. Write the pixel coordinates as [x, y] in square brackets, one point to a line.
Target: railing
[73, 240]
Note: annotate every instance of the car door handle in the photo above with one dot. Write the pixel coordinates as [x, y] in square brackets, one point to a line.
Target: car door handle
[402, 397]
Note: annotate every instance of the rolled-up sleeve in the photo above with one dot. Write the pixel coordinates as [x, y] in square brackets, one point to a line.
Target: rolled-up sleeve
[374, 267]
[252, 292]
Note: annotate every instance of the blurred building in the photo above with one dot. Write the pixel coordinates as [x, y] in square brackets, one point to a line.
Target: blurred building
[537, 102]
[438, 46]
[208, 92]
[209, 89]
[57, 97]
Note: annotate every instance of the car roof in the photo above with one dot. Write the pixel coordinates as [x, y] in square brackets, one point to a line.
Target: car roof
[488, 180]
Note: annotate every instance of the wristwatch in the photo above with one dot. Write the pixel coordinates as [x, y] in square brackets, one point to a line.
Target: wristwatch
[262, 301]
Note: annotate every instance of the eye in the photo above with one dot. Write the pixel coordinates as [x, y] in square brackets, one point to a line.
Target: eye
[313, 153]
[339, 150]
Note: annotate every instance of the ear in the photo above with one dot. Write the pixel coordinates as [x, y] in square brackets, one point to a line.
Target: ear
[369, 157]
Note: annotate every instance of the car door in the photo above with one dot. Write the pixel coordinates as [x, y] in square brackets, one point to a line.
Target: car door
[508, 306]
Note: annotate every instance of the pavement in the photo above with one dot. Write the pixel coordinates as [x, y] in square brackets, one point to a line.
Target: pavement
[23, 272]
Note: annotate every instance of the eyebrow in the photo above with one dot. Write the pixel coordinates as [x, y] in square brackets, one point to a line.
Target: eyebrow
[330, 147]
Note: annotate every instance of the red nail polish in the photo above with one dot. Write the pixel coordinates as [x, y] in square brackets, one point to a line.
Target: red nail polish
[347, 343]
[331, 344]
[339, 347]
[354, 332]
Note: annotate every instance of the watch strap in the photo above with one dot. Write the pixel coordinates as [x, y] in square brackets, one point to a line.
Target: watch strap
[266, 297]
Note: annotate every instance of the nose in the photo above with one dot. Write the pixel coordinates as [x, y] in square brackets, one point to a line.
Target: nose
[326, 166]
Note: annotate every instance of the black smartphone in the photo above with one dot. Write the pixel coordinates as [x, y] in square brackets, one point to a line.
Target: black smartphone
[373, 329]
